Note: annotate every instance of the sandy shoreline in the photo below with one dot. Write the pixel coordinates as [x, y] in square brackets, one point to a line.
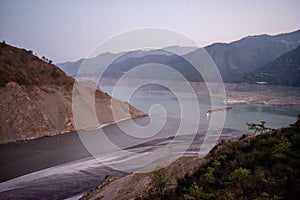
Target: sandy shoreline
[282, 96]
[72, 131]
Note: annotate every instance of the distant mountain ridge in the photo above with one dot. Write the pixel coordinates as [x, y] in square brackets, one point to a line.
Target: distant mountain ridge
[285, 70]
[234, 60]
[243, 56]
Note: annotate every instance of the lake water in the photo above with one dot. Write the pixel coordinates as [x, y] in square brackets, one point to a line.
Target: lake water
[236, 118]
[60, 167]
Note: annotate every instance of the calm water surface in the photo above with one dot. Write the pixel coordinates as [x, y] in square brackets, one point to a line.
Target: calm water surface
[236, 118]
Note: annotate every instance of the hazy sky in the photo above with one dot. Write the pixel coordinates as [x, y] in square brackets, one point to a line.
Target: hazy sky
[65, 30]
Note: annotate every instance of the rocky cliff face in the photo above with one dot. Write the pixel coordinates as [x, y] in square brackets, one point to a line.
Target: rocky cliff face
[36, 98]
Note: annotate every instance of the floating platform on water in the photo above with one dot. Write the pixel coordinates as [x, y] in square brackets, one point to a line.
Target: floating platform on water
[218, 110]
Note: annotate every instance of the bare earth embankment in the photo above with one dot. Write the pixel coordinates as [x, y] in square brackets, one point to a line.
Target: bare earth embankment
[36, 98]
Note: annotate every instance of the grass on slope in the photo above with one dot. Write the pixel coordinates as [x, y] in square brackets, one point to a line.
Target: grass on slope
[22, 67]
[264, 167]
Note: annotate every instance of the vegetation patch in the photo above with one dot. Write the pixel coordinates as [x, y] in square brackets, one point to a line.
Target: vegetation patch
[263, 167]
[24, 68]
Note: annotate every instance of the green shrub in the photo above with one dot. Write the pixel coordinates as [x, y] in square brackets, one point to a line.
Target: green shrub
[267, 168]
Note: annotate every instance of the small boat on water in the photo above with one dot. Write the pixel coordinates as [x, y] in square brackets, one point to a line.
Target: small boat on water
[218, 110]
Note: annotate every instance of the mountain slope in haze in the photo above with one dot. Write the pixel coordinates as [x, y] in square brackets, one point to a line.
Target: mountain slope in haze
[285, 70]
[118, 68]
[118, 64]
[36, 98]
[71, 68]
[234, 60]
[243, 56]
